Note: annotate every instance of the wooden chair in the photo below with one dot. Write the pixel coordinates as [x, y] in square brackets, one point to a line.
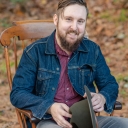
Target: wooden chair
[20, 35]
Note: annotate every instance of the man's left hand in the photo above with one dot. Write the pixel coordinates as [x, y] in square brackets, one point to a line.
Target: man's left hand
[98, 101]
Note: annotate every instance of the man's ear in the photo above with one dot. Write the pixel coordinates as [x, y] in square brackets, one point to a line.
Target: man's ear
[55, 19]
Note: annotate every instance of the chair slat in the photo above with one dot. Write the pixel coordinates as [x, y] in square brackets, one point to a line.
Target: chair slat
[8, 67]
[15, 52]
[31, 21]
[23, 44]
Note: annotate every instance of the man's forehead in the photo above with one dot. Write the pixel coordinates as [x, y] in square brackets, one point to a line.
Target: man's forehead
[74, 7]
[75, 11]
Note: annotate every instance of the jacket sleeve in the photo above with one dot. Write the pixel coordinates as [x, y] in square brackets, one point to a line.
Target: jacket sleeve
[105, 82]
[23, 87]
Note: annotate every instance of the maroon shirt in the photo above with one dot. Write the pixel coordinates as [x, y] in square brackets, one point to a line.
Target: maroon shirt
[65, 92]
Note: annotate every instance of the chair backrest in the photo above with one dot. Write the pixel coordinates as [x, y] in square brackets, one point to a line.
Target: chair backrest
[20, 35]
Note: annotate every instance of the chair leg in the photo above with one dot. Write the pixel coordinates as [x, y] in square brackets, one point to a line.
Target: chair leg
[24, 121]
[19, 119]
[112, 113]
[33, 125]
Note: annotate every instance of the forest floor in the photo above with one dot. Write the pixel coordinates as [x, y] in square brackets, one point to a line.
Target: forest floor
[107, 25]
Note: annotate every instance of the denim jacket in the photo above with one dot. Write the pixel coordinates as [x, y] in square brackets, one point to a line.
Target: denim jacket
[36, 79]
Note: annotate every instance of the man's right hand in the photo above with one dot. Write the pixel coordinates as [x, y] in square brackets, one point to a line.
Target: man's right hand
[58, 112]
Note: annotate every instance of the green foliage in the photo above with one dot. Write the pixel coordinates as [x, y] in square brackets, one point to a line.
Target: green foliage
[2, 67]
[4, 23]
[123, 93]
[122, 78]
[1, 112]
[105, 15]
[18, 1]
[1, 50]
[90, 15]
[110, 16]
[119, 78]
[116, 1]
[123, 15]
[108, 60]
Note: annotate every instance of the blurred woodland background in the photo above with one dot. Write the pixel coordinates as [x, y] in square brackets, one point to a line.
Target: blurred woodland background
[107, 25]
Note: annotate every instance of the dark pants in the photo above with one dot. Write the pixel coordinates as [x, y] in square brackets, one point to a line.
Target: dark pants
[103, 122]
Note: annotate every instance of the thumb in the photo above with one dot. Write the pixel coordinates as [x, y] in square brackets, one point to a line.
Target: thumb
[93, 94]
[85, 95]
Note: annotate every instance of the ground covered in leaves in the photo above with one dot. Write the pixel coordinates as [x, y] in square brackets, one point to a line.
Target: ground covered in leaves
[107, 25]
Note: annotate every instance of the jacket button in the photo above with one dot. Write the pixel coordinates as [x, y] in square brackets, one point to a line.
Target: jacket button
[57, 69]
[53, 88]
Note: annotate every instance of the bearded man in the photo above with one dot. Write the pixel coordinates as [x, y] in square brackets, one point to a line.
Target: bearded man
[54, 70]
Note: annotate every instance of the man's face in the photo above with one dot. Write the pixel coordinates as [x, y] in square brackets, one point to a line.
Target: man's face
[70, 26]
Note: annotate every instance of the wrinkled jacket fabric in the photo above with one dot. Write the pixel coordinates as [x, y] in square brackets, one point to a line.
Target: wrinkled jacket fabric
[36, 80]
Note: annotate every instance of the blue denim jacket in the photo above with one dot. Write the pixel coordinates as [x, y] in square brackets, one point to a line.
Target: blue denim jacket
[36, 80]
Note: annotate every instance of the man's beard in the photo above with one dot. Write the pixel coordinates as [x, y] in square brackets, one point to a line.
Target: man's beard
[69, 45]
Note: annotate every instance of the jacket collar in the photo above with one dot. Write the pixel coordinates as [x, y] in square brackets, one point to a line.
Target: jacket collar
[50, 46]
[82, 47]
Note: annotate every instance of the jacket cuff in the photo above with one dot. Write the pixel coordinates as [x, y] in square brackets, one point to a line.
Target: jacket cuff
[108, 106]
[40, 112]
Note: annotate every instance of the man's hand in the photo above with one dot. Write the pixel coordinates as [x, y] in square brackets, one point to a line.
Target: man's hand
[58, 112]
[98, 101]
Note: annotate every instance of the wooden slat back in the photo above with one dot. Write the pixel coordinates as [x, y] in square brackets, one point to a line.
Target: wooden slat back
[31, 21]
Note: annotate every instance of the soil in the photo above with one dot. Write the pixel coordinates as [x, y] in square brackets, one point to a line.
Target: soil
[107, 25]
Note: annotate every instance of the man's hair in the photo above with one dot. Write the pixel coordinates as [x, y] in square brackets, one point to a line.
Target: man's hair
[64, 3]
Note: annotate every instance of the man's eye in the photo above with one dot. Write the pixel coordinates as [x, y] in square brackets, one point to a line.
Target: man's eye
[68, 19]
[80, 21]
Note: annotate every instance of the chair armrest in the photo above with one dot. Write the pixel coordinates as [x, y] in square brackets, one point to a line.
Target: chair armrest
[28, 114]
[117, 106]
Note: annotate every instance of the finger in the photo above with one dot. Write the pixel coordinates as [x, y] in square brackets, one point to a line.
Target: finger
[96, 101]
[65, 107]
[97, 106]
[67, 124]
[60, 121]
[96, 97]
[65, 111]
[99, 109]
[63, 123]
[65, 114]
[92, 94]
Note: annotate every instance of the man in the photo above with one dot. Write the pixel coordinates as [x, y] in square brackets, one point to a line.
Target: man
[53, 71]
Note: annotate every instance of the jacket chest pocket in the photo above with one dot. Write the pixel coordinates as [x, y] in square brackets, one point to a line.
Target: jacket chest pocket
[44, 78]
[85, 75]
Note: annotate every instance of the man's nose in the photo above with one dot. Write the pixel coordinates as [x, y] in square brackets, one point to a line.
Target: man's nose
[74, 26]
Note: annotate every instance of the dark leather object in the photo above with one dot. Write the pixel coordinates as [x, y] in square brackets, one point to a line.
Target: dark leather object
[82, 112]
